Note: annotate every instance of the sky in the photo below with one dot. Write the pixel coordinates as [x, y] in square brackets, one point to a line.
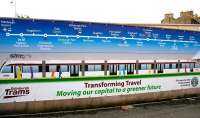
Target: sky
[110, 11]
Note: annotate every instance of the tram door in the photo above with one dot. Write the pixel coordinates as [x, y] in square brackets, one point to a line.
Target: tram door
[74, 70]
[130, 68]
[160, 68]
[113, 69]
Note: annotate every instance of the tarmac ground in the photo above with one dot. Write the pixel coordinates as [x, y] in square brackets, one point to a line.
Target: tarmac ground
[176, 108]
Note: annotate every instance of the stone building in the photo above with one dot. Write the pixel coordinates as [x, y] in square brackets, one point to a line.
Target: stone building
[186, 17]
[168, 19]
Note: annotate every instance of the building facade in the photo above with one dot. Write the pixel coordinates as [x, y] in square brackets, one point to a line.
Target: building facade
[186, 17]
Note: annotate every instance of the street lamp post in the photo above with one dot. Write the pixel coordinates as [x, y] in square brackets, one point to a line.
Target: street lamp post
[15, 6]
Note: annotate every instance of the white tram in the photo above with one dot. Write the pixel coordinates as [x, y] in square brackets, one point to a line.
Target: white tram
[85, 68]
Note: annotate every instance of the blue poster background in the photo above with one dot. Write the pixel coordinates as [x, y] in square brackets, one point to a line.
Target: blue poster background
[51, 36]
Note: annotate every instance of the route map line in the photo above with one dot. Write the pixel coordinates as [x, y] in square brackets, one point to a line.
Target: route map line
[105, 37]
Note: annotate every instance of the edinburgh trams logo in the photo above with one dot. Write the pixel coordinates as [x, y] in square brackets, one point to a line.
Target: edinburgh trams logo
[16, 92]
[194, 81]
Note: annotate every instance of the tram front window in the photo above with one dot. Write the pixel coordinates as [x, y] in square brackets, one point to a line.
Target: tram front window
[7, 69]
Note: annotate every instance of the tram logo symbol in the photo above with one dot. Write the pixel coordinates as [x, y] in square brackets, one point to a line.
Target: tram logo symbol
[195, 81]
[16, 92]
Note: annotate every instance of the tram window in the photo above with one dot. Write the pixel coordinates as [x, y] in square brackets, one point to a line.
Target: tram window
[97, 67]
[58, 68]
[170, 66]
[102, 68]
[149, 66]
[191, 65]
[91, 68]
[146, 66]
[143, 66]
[52, 68]
[139, 67]
[174, 66]
[197, 66]
[7, 69]
[94, 67]
[167, 66]
[81, 67]
[181, 65]
[178, 66]
[40, 68]
[156, 66]
[185, 65]
[47, 68]
[86, 67]
[152, 66]
[64, 68]
[26, 69]
[35, 68]
[121, 66]
[130, 66]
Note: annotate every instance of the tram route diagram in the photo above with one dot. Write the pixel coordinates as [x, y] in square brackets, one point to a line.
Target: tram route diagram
[28, 35]
[101, 37]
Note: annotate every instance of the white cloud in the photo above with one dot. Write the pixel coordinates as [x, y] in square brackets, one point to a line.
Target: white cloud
[118, 11]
